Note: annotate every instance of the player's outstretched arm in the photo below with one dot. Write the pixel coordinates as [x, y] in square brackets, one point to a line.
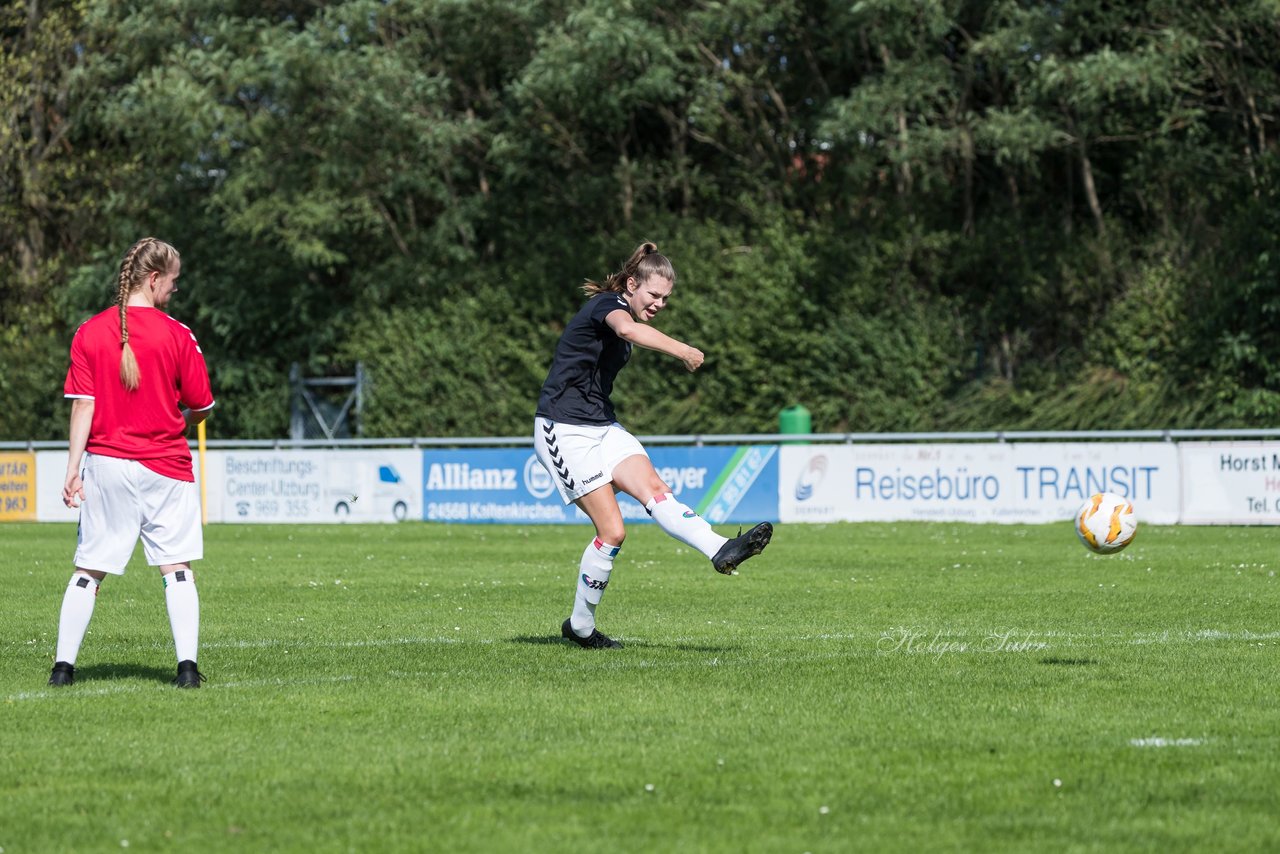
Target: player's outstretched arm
[643, 335]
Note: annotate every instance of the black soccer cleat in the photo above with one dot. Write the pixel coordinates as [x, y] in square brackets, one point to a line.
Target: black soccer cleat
[595, 640]
[63, 673]
[741, 547]
[188, 676]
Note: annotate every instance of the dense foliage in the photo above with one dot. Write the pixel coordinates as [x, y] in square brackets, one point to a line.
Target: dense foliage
[902, 214]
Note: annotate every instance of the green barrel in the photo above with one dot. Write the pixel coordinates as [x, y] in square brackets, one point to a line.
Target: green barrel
[795, 419]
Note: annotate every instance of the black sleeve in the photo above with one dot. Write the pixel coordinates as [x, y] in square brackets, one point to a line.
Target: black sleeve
[605, 304]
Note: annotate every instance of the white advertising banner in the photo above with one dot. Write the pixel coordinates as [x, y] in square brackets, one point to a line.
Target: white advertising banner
[1230, 483]
[1195, 483]
[314, 486]
[51, 471]
[968, 482]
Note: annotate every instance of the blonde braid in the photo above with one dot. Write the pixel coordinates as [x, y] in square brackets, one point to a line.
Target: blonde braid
[128, 362]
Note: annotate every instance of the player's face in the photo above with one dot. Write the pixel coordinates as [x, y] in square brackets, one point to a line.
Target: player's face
[649, 297]
[164, 285]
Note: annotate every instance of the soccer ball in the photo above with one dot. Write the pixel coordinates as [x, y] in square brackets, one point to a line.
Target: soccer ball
[1106, 523]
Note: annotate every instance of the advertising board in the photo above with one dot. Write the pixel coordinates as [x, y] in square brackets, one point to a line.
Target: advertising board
[724, 483]
[1230, 483]
[314, 486]
[17, 487]
[1195, 483]
[973, 482]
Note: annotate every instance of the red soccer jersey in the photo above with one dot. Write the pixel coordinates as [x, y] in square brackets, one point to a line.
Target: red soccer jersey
[146, 424]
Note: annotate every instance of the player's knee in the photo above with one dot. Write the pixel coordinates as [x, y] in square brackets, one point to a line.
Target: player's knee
[612, 534]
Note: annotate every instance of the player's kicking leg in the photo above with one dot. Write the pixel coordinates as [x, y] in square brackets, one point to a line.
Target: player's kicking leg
[637, 477]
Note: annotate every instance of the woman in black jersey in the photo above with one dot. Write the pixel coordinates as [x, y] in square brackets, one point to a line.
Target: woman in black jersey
[580, 442]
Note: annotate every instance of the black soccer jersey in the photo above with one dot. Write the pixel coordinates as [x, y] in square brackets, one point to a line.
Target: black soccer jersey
[586, 363]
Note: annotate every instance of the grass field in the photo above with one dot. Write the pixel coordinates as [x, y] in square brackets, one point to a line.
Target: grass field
[858, 687]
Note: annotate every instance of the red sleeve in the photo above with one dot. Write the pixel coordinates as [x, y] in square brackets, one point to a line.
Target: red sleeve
[193, 375]
[79, 376]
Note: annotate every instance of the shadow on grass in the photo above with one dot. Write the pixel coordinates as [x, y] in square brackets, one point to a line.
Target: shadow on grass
[543, 640]
[107, 672]
[555, 640]
[1069, 662]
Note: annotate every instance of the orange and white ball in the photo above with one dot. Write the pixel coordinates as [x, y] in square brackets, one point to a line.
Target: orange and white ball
[1106, 523]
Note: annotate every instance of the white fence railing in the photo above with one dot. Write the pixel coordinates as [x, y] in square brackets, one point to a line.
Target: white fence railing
[699, 439]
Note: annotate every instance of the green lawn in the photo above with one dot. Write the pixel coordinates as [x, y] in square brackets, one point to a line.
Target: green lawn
[858, 687]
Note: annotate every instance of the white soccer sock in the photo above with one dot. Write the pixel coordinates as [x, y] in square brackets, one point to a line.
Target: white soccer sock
[597, 563]
[183, 602]
[73, 622]
[682, 523]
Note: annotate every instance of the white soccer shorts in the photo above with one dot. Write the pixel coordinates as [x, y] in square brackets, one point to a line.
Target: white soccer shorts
[582, 458]
[123, 499]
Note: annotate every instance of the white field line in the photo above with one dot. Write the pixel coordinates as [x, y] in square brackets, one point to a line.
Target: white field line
[612, 661]
[276, 643]
[1203, 635]
[1161, 637]
[619, 661]
[1067, 638]
[115, 688]
[1166, 742]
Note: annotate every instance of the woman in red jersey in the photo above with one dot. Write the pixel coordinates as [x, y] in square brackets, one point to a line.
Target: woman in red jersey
[137, 381]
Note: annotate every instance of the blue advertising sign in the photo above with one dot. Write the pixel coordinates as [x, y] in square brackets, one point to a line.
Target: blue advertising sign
[724, 483]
